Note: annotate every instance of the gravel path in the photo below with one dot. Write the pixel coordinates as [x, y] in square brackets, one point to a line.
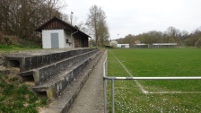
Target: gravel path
[90, 98]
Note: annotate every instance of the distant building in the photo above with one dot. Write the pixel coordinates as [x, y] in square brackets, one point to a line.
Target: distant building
[59, 34]
[142, 45]
[122, 45]
[156, 45]
[164, 45]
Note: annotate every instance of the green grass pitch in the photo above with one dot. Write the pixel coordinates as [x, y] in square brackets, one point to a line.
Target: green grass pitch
[180, 95]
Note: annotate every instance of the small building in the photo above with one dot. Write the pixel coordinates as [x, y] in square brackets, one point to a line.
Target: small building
[122, 45]
[57, 33]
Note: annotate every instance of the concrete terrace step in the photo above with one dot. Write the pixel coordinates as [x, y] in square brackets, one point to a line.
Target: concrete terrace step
[28, 61]
[53, 87]
[62, 103]
[42, 74]
[58, 75]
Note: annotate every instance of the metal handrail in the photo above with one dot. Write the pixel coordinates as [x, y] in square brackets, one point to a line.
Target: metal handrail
[104, 86]
[152, 78]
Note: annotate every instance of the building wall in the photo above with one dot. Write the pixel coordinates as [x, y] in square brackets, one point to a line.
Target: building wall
[46, 38]
[64, 38]
[76, 42]
[68, 41]
[123, 45]
[86, 42]
[80, 41]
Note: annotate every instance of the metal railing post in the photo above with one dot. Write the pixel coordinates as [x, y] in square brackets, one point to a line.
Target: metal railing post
[105, 86]
[112, 94]
[105, 95]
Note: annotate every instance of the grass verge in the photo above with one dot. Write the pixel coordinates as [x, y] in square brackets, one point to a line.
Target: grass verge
[19, 47]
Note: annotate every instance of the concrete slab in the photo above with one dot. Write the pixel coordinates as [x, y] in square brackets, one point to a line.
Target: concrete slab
[28, 61]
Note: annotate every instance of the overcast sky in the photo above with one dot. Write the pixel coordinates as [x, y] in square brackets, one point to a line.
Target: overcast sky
[139, 16]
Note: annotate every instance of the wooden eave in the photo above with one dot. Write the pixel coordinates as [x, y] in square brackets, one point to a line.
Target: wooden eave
[56, 23]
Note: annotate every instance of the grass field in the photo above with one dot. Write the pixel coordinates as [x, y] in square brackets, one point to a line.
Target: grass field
[164, 96]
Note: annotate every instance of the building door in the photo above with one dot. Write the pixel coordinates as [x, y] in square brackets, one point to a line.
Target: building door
[76, 42]
[54, 40]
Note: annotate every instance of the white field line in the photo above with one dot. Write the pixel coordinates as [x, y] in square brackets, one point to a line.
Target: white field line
[149, 92]
[138, 84]
[176, 92]
[164, 92]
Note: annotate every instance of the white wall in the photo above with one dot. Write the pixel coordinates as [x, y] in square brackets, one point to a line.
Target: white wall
[127, 46]
[120, 45]
[46, 38]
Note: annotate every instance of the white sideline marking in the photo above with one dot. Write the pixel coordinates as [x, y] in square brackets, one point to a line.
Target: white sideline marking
[138, 84]
[149, 92]
[176, 92]
[164, 92]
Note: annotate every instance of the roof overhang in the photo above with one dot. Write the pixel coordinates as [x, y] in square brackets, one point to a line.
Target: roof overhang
[65, 26]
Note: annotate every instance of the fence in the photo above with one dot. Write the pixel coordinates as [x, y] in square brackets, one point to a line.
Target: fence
[112, 79]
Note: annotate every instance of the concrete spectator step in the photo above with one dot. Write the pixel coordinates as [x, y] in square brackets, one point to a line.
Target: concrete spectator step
[62, 103]
[28, 61]
[53, 87]
[59, 79]
[42, 74]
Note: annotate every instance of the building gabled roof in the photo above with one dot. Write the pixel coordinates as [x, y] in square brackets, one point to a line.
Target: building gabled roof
[56, 23]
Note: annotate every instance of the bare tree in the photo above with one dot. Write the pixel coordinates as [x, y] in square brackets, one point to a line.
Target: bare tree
[103, 33]
[21, 17]
[97, 24]
[173, 34]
